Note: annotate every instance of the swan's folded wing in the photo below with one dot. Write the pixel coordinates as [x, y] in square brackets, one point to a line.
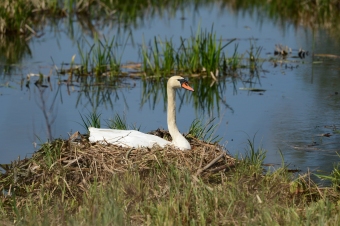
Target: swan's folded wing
[126, 138]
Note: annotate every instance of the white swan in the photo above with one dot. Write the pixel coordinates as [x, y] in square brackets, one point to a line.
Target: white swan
[133, 138]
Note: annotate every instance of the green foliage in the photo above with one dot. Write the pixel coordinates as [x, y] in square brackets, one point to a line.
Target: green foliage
[255, 156]
[119, 122]
[104, 56]
[334, 177]
[168, 195]
[201, 53]
[51, 152]
[159, 59]
[205, 131]
[91, 120]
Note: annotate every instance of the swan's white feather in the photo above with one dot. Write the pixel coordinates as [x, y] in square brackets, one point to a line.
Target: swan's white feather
[136, 139]
[126, 138]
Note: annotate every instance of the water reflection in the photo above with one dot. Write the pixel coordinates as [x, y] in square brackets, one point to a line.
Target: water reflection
[12, 50]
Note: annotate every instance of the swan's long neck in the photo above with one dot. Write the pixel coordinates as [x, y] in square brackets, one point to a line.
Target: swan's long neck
[173, 130]
[178, 139]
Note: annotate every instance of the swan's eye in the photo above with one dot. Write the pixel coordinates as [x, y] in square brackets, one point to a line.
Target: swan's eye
[182, 80]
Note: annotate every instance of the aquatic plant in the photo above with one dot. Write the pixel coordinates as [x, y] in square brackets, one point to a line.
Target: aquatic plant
[198, 54]
[103, 58]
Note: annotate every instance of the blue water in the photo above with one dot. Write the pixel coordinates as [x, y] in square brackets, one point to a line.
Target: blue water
[295, 108]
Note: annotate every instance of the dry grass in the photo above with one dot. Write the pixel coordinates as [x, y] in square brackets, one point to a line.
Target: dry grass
[74, 182]
[67, 169]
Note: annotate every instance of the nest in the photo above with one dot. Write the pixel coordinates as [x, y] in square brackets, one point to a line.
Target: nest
[71, 166]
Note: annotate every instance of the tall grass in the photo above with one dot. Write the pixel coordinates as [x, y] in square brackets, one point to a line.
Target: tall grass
[120, 122]
[204, 131]
[90, 120]
[201, 53]
[169, 195]
[104, 56]
[334, 176]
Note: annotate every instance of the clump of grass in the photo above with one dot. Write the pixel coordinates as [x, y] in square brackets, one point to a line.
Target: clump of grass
[334, 177]
[201, 53]
[119, 122]
[91, 120]
[255, 156]
[103, 58]
[205, 131]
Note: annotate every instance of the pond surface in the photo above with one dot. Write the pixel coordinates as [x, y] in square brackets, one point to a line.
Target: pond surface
[299, 105]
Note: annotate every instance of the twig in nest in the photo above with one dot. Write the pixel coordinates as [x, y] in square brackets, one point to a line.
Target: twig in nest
[202, 157]
[217, 169]
[128, 153]
[210, 164]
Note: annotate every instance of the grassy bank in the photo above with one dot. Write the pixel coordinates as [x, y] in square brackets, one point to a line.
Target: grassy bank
[77, 183]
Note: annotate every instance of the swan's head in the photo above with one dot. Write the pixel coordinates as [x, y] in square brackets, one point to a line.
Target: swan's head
[179, 82]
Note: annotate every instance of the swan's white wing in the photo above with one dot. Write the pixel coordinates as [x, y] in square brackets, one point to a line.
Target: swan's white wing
[126, 138]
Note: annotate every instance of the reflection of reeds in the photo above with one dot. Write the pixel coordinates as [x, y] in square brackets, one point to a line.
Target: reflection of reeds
[207, 96]
[16, 14]
[12, 50]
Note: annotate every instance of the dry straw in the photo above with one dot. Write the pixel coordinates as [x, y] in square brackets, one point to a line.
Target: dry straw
[67, 168]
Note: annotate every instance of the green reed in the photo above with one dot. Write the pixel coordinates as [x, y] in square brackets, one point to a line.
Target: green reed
[334, 176]
[202, 53]
[204, 131]
[90, 120]
[104, 56]
[120, 123]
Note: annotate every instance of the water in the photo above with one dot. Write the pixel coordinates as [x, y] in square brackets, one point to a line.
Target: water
[299, 103]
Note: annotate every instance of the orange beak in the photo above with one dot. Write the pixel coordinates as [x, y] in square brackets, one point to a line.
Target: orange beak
[185, 85]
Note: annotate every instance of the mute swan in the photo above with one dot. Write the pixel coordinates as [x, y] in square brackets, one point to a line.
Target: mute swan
[133, 138]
